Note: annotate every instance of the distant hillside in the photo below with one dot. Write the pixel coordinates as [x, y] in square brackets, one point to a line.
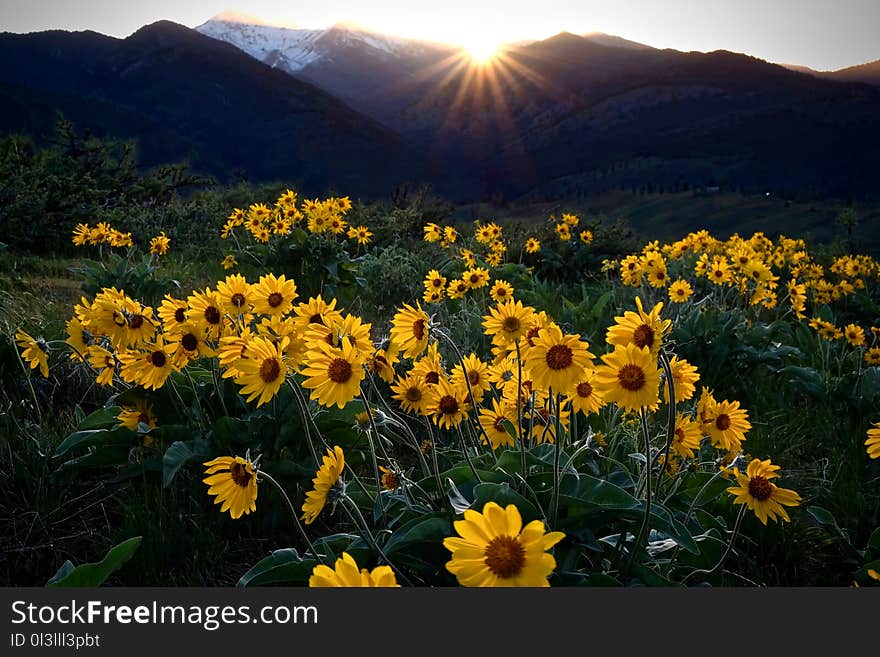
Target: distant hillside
[868, 73]
[185, 95]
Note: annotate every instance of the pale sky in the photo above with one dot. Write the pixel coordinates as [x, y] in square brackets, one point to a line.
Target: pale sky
[824, 35]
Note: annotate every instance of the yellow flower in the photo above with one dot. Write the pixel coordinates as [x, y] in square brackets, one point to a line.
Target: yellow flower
[855, 335]
[78, 337]
[325, 479]
[410, 330]
[232, 481]
[346, 574]
[104, 362]
[629, 377]
[494, 549]
[173, 313]
[584, 397]
[362, 234]
[150, 365]
[493, 423]
[477, 376]
[873, 441]
[563, 231]
[235, 293]
[412, 393]
[501, 291]
[557, 361]
[509, 321]
[726, 424]
[205, 308]
[160, 244]
[81, 234]
[447, 404]
[141, 414]
[334, 374]
[684, 376]
[273, 295]
[35, 352]
[586, 236]
[687, 436]
[680, 291]
[432, 232]
[641, 329]
[317, 311]
[476, 278]
[570, 220]
[229, 262]
[533, 245]
[762, 496]
[262, 372]
[457, 289]
[434, 280]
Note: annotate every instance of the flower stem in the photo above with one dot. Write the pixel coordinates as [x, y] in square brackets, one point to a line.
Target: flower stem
[643, 530]
[295, 517]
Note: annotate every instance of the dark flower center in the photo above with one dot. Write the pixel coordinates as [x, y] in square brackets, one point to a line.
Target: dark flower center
[432, 377]
[240, 475]
[270, 369]
[643, 336]
[135, 321]
[238, 300]
[189, 342]
[180, 315]
[760, 488]
[275, 299]
[212, 315]
[339, 370]
[413, 394]
[418, 329]
[631, 377]
[505, 556]
[722, 422]
[511, 324]
[559, 356]
[584, 389]
[448, 405]
[158, 358]
[473, 377]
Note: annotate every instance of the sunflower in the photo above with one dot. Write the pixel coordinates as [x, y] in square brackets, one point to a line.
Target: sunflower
[457, 289]
[435, 281]
[189, 340]
[273, 295]
[149, 365]
[684, 376]
[855, 335]
[103, 362]
[229, 262]
[447, 404]
[680, 291]
[501, 291]
[543, 421]
[468, 256]
[475, 372]
[873, 441]
[410, 330]
[629, 377]
[430, 366]
[432, 296]
[325, 481]
[263, 370]
[533, 245]
[557, 361]
[450, 234]
[206, 308]
[584, 397]
[78, 337]
[316, 311]
[81, 234]
[509, 321]
[235, 293]
[334, 374]
[134, 418]
[432, 232]
[494, 549]
[726, 424]
[476, 277]
[35, 352]
[345, 573]
[687, 436]
[563, 231]
[640, 328]
[349, 326]
[173, 313]
[493, 423]
[412, 393]
[586, 236]
[233, 481]
[160, 244]
[719, 271]
[762, 496]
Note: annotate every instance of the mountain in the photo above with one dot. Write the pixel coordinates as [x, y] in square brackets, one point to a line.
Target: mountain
[615, 41]
[347, 61]
[868, 73]
[184, 95]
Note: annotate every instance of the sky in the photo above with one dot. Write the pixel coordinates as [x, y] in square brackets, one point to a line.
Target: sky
[824, 35]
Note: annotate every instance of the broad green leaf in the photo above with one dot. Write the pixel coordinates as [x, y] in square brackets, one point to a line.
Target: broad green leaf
[96, 437]
[431, 528]
[502, 494]
[179, 454]
[284, 566]
[95, 574]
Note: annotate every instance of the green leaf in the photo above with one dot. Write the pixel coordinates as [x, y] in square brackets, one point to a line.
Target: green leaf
[432, 528]
[95, 574]
[502, 494]
[825, 518]
[103, 418]
[179, 454]
[283, 566]
[96, 437]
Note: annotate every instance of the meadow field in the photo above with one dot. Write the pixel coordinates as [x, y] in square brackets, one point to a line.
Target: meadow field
[243, 385]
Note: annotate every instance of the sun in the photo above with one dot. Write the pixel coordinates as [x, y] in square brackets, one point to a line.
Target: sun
[482, 50]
